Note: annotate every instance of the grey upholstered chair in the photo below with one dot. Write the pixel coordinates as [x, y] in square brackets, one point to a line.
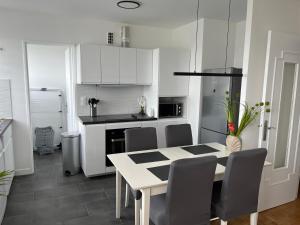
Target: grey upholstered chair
[238, 193]
[179, 135]
[189, 192]
[137, 139]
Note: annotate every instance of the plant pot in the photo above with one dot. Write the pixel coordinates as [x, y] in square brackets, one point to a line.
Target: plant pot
[233, 143]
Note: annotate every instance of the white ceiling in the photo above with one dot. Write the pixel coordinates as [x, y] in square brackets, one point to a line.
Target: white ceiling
[162, 13]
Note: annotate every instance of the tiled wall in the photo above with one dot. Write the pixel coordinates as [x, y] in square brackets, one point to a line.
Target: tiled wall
[113, 99]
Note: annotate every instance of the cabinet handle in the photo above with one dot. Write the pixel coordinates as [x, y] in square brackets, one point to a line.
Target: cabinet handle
[117, 140]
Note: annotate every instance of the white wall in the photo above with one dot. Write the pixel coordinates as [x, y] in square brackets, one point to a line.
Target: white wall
[113, 100]
[184, 37]
[276, 15]
[18, 26]
[240, 31]
[214, 44]
[46, 66]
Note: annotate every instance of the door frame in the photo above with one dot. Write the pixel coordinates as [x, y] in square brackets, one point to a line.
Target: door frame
[71, 106]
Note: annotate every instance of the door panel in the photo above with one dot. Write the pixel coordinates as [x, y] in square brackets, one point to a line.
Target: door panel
[144, 66]
[281, 135]
[110, 65]
[127, 66]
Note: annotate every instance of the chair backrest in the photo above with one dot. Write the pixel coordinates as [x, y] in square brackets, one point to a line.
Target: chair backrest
[240, 187]
[179, 135]
[137, 139]
[189, 191]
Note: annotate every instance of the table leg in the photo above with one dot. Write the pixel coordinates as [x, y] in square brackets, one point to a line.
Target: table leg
[118, 194]
[145, 206]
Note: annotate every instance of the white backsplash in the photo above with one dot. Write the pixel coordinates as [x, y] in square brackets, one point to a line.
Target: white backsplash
[113, 99]
[5, 100]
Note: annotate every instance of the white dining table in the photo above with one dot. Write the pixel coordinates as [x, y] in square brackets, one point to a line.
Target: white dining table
[140, 178]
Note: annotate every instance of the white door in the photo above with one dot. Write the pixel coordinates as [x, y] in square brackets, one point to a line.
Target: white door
[279, 132]
[110, 65]
[144, 66]
[127, 66]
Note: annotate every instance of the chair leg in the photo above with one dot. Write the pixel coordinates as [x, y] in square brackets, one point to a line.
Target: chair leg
[223, 222]
[253, 218]
[127, 196]
[137, 213]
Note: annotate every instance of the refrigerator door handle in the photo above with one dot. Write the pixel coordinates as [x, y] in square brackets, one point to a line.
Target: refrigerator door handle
[265, 130]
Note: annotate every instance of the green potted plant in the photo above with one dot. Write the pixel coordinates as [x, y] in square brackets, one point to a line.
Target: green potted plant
[250, 114]
[4, 177]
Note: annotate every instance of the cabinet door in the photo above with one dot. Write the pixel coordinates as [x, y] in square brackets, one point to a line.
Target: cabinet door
[144, 66]
[88, 64]
[170, 61]
[128, 66]
[94, 150]
[110, 65]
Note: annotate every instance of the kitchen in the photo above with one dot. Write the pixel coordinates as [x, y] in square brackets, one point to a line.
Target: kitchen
[120, 75]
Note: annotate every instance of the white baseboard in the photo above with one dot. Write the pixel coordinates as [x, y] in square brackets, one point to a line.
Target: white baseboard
[22, 172]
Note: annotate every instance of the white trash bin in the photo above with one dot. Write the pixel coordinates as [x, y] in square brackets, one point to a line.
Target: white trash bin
[71, 153]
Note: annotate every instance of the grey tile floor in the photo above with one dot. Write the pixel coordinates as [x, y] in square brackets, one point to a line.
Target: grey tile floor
[49, 198]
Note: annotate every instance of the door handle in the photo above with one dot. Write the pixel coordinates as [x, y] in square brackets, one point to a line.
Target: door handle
[265, 130]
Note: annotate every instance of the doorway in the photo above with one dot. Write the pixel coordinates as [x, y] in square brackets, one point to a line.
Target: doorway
[280, 129]
[50, 70]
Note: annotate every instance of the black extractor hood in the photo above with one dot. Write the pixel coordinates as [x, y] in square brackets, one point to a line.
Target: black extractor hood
[217, 72]
[229, 72]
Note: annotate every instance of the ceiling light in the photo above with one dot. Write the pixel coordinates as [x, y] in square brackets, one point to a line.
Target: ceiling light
[129, 4]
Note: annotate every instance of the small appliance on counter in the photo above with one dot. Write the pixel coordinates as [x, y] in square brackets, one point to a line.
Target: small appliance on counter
[93, 106]
[170, 110]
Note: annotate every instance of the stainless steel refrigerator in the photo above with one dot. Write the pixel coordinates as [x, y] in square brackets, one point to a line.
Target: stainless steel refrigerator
[213, 116]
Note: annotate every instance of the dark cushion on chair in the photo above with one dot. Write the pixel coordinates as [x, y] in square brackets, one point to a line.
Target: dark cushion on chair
[238, 193]
[137, 139]
[188, 197]
[158, 209]
[179, 135]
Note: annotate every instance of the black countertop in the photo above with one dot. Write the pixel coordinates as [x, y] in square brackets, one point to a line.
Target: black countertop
[86, 120]
[4, 124]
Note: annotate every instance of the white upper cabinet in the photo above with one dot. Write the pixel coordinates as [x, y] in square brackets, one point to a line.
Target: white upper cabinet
[128, 65]
[88, 64]
[110, 65]
[114, 65]
[173, 60]
[144, 66]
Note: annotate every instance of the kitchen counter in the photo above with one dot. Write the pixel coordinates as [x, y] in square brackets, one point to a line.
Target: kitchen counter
[4, 124]
[88, 120]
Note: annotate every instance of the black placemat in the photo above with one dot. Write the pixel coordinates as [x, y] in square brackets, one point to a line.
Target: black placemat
[200, 149]
[162, 172]
[147, 157]
[223, 161]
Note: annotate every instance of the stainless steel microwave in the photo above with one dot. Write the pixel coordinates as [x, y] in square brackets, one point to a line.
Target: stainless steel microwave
[169, 110]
